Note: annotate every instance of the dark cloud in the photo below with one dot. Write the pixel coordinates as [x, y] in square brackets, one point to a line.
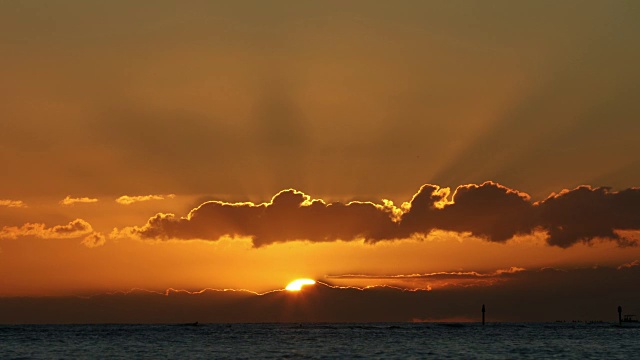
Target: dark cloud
[291, 215]
[585, 213]
[489, 211]
[536, 295]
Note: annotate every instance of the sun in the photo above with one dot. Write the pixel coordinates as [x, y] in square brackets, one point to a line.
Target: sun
[296, 285]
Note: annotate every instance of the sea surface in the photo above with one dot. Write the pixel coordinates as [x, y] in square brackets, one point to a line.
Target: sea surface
[323, 340]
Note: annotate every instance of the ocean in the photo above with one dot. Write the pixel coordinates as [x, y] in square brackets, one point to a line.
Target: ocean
[322, 341]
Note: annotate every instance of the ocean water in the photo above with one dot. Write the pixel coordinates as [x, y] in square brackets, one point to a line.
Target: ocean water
[324, 340]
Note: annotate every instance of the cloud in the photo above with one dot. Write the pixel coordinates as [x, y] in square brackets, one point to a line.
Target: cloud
[436, 275]
[585, 213]
[629, 265]
[75, 229]
[433, 280]
[489, 211]
[93, 240]
[71, 201]
[128, 200]
[290, 215]
[528, 295]
[13, 203]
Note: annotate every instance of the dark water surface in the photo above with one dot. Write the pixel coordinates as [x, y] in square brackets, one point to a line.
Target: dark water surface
[380, 340]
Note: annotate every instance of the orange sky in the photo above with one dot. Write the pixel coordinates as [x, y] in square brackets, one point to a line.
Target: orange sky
[116, 115]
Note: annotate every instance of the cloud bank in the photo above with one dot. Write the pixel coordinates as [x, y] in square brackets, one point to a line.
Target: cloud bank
[531, 295]
[489, 211]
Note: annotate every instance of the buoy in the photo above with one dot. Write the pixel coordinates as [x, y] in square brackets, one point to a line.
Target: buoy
[482, 314]
[620, 315]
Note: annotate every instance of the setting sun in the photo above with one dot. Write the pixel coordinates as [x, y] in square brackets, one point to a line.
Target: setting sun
[296, 285]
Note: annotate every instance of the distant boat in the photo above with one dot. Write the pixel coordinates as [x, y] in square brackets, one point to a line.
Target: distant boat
[188, 324]
[629, 321]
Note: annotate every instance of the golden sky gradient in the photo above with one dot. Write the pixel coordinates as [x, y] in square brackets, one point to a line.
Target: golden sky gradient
[115, 115]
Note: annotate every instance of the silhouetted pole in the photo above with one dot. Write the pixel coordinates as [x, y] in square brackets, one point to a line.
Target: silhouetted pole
[620, 315]
[482, 314]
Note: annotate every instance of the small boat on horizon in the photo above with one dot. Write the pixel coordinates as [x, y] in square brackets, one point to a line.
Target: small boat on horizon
[629, 321]
[187, 324]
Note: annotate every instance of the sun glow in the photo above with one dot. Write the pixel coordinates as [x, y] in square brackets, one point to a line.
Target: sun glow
[296, 285]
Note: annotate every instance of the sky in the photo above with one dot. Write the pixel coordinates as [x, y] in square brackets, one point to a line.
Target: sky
[424, 157]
